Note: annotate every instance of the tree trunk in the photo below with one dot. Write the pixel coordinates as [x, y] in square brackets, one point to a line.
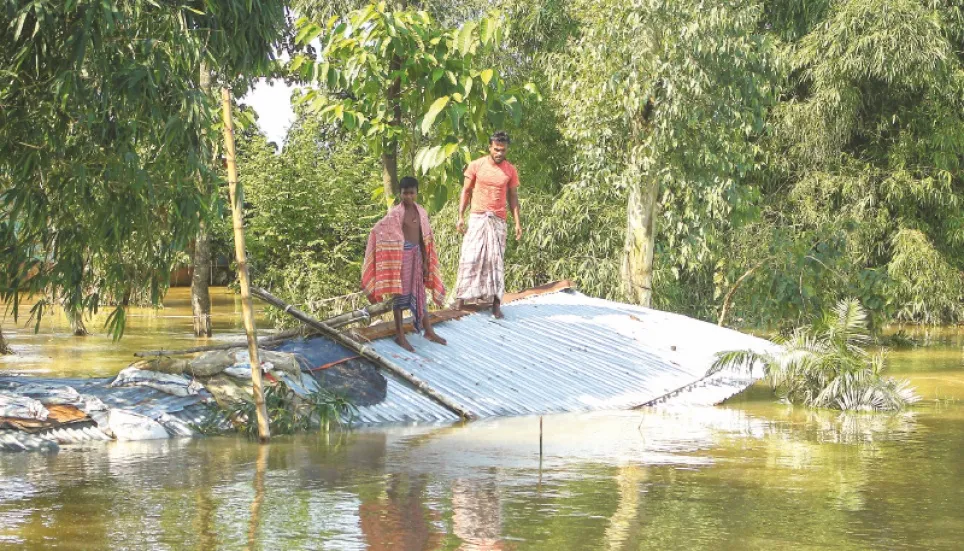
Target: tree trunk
[77, 326]
[200, 278]
[390, 171]
[4, 347]
[390, 148]
[637, 270]
[201, 261]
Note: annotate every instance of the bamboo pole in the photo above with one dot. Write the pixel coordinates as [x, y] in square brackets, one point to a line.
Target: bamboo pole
[362, 350]
[335, 322]
[237, 204]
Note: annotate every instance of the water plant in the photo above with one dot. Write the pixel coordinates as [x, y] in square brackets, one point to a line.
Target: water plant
[288, 413]
[827, 365]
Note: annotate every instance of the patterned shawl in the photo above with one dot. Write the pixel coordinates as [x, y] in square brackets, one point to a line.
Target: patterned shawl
[382, 270]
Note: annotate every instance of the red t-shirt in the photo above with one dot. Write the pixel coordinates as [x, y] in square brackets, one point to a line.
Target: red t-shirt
[490, 183]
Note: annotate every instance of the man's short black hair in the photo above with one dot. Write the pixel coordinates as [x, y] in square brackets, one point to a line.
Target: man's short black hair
[500, 137]
[408, 182]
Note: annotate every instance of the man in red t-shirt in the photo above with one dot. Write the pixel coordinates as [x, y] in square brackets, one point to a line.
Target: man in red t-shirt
[490, 183]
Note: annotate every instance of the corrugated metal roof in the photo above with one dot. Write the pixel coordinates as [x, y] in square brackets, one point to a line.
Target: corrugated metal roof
[569, 352]
[555, 352]
[404, 404]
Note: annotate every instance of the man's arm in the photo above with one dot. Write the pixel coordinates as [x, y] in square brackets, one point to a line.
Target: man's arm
[464, 201]
[514, 205]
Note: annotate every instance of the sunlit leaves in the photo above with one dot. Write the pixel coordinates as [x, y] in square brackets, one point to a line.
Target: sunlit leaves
[868, 143]
[433, 112]
[376, 60]
[646, 106]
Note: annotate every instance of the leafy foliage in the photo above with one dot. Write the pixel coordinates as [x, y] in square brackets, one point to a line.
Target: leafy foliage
[309, 211]
[862, 182]
[408, 86]
[287, 413]
[800, 152]
[101, 140]
[675, 107]
[804, 152]
[827, 365]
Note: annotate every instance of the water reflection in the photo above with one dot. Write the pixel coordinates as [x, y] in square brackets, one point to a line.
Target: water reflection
[261, 464]
[397, 515]
[750, 475]
[477, 513]
[703, 478]
[54, 350]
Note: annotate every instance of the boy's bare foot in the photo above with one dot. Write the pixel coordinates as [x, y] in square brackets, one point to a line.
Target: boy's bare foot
[434, 337]
[497, 313]
[403, 342]
[459, 304]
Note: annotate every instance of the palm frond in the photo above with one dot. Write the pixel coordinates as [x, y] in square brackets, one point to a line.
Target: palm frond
[827, 366]
[737, 360]
[850, 324]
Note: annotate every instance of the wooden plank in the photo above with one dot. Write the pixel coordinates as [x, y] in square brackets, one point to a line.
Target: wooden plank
[387, 328]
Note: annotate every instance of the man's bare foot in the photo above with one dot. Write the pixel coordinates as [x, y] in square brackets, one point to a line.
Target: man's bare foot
[403, 342]
[459, 304]
[497, 313]
[434, 337]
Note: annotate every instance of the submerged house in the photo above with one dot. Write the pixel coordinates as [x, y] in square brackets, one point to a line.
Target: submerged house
[556, 351]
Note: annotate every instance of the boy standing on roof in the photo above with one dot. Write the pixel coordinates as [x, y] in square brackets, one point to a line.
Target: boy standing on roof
[490, 182]
[400, 261]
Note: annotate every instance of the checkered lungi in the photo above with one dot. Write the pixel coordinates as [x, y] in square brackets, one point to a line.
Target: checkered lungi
[413, 285]
[482, 262]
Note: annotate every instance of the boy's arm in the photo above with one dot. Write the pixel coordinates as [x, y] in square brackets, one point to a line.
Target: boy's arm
[422, 247]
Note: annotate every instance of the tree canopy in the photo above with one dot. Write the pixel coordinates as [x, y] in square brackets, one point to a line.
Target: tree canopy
[752, 162]
[411, 87]
[101, 139]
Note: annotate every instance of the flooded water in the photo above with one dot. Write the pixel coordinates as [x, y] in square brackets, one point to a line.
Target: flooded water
[54, 351]
[753, 474]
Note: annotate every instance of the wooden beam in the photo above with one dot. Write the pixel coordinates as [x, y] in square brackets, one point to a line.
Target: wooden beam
[362, 350]
[387, 328]
[226, 346]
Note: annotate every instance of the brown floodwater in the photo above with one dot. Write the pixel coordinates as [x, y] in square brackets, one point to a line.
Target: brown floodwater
[54, 351]
[753, 474]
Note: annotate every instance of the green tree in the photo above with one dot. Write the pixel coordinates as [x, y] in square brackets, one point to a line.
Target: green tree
[102, 140]
[663, 100]
[413, 89]
[309, 211]
[862, 187]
